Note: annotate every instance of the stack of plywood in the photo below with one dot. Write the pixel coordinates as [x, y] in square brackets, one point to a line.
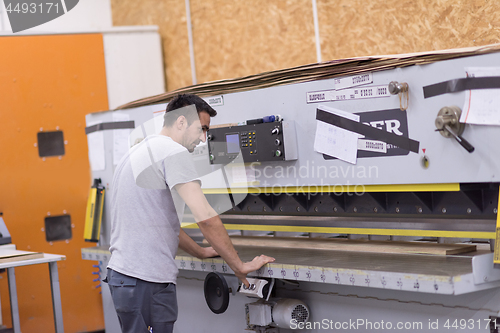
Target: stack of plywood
[336, 244]
[312, 72]
[8, 253]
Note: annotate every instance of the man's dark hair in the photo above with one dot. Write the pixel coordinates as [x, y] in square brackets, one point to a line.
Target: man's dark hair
[181, 101]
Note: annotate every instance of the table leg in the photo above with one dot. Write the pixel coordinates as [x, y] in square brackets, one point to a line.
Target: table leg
[56, 297]
[14, 307]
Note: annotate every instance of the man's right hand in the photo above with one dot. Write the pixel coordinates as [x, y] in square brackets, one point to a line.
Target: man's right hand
[251, 266]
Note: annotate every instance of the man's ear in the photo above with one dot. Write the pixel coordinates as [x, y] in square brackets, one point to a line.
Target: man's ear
[181, 122]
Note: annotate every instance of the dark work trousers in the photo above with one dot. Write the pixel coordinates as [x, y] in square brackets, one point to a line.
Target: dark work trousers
[141, 304]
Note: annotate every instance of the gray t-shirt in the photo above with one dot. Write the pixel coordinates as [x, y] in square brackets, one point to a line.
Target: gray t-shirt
[146, 209]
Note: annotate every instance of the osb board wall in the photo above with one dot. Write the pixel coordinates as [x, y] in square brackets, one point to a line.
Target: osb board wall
[234, 38]
[351, 28]
[239, 38]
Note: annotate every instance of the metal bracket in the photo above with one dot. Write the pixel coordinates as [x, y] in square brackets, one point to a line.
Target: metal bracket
[483, 270]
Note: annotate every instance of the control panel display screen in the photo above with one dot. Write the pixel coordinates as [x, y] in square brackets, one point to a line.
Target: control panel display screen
[233, 143]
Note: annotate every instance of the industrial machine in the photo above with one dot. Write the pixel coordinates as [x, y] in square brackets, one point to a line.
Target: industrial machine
[4, 232]
[376, 190]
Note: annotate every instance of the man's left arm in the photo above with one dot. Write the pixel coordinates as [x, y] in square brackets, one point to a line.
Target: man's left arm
[187, 244]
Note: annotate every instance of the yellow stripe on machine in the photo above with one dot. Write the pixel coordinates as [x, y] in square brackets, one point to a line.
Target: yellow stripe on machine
[339, 189]
[358, 231]
[496, 250]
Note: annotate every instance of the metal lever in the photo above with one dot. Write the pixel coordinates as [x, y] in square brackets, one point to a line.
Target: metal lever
[447, 123]
[464, 143]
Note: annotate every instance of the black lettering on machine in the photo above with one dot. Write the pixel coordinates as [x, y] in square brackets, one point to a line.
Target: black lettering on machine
[366, 92]
[317, 97]
[375, 145]
[382, 91]
[360, 78]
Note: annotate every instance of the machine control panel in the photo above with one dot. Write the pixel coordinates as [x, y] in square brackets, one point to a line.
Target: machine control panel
[264, 142]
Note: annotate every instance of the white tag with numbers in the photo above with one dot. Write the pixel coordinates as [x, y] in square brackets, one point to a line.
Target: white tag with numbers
[362, 93]
[347, 94]
[353, 81]
[215, 100]
[372, 145]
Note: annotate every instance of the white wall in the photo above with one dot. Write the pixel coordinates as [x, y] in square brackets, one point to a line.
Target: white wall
[134, 64]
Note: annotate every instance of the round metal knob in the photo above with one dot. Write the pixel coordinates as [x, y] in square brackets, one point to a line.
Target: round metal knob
[394, 88]
[449, 115]
[277, 142]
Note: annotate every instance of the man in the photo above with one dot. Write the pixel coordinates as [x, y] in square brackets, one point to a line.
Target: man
[150, 185]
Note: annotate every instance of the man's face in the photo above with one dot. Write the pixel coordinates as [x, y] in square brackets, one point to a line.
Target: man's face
[196, 132]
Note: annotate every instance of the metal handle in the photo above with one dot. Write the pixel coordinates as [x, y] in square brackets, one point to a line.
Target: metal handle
[464, 143]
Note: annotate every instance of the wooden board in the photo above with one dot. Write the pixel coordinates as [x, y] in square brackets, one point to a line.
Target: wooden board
[11, 254]
[354, 245]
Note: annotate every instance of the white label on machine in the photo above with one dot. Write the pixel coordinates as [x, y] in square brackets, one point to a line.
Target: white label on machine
[238, 174]
[347, 94]
[320, 96]
[362, 93]
[372, 145]
[120, 137]
[216, 100]
[241, 175]
[482, 106]
[335, 141]
[353, 81]
[158, 117]
[96, 148]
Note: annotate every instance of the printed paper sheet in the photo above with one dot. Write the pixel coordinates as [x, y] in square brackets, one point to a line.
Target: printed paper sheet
[335, 141]
[482, 106]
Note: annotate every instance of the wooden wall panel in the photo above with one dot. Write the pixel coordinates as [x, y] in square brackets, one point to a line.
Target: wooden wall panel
[234, 38]
[49, 83]
[231, 38]
[351, 28]
[239, 38]
[170, 17]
